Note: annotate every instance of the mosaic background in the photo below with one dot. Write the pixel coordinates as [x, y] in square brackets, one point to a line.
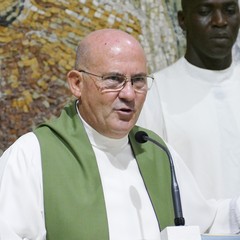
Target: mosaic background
[38, 39]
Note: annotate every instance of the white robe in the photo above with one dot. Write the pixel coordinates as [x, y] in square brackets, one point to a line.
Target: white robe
[22, 206]
[197, 111]
[129, 209]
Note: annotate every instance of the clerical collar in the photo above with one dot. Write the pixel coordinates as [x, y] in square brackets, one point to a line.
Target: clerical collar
[100, 141]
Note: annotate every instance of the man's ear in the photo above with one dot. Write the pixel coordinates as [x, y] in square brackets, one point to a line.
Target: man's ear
[74, 79]
[181, 20]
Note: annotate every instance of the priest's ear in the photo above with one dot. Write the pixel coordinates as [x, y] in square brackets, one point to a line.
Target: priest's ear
[74, 79]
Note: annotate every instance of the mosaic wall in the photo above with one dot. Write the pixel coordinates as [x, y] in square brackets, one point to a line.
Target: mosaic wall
[37, 48]
[38, 39]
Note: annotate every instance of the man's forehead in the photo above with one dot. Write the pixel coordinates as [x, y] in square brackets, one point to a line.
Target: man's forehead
[186, 3]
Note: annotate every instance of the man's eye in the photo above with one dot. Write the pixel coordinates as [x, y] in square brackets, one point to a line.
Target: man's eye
[204, 11]
[140, 79]
[231, 9]
[114, 78]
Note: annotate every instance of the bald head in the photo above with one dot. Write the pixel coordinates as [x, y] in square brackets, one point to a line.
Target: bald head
[104, 41]
[110, 81]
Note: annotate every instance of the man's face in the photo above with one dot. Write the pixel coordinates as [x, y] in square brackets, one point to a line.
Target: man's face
[113, 114]
[211, 26]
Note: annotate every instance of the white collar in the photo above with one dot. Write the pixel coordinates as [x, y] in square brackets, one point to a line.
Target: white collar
[210, 76]
[100, 141]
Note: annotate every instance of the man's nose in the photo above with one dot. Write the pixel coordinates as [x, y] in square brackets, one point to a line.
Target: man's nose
[219, 19]
[128, 91]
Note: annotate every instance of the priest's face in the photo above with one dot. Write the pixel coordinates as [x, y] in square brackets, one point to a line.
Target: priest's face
[111, 112]
[211, 27]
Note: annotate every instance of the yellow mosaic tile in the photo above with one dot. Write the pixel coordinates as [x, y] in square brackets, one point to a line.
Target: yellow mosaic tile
[38, 39]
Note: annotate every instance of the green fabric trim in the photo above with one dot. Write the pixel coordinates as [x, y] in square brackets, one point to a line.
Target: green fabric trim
[73, 195]
[155, 169]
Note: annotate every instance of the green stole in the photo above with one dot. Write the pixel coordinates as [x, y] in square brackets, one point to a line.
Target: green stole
[73, 196]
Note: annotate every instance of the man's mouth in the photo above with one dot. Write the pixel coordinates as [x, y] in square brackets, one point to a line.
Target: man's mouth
[219, 35]
[125, 110]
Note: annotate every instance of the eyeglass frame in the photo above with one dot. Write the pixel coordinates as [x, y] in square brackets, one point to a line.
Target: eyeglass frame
[126, 79]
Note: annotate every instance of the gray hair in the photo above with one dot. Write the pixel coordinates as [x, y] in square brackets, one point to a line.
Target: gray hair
[82, 55]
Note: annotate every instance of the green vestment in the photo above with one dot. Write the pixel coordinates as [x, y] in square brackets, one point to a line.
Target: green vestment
[73, 196]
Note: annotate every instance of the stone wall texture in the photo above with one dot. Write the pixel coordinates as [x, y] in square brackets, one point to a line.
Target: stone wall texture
[38, 39]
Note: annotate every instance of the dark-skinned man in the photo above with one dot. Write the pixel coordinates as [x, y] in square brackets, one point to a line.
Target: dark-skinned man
[197, 98]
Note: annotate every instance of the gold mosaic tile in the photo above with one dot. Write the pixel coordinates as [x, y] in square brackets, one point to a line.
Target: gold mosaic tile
[38, 39]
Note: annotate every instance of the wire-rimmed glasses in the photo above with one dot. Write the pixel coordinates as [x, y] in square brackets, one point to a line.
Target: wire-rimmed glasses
[113, 82]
